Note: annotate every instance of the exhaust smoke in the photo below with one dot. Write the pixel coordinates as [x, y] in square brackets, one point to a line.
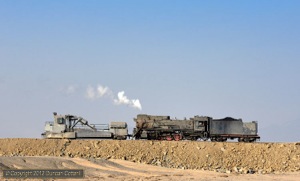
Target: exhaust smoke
[102, 91]
[122, 99]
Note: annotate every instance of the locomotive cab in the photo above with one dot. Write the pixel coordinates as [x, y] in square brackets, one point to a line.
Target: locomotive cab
[201, 123]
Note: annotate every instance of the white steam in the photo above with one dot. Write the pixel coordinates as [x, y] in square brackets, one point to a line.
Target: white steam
[122, 99]
[68, 90]
[101, 91]
[71, 89]
[90, 93]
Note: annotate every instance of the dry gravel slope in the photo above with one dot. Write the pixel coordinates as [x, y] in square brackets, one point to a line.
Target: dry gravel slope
[222, 157]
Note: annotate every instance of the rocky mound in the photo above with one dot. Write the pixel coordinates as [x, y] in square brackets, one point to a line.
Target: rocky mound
[221, 157]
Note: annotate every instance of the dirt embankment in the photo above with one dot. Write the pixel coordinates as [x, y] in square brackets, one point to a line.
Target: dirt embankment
[221, 157]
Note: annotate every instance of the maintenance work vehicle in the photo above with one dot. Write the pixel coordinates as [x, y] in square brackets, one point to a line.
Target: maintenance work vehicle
[74, 127]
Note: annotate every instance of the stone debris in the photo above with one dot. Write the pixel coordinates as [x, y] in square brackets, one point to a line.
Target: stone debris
[231, 157]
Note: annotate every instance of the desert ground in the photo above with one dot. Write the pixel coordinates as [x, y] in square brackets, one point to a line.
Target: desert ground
[155, 160]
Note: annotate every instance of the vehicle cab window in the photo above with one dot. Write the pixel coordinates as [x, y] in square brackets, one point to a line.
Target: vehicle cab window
[60, 120]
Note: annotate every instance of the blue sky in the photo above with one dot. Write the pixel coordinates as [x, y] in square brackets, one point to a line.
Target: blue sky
[178, 58]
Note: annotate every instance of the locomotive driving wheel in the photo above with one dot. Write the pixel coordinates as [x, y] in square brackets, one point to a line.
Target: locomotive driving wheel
[205, 138]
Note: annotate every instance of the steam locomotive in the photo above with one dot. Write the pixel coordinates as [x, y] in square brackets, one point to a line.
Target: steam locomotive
[196, 128]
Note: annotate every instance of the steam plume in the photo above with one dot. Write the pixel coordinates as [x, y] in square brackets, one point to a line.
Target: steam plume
[101, 91]
[122, 99]
[92, 93]
[68, 90]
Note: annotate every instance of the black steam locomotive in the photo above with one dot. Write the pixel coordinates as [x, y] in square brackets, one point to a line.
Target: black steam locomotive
[196, 128]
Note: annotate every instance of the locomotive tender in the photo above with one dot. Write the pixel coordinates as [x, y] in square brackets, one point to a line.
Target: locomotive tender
[199, 127]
